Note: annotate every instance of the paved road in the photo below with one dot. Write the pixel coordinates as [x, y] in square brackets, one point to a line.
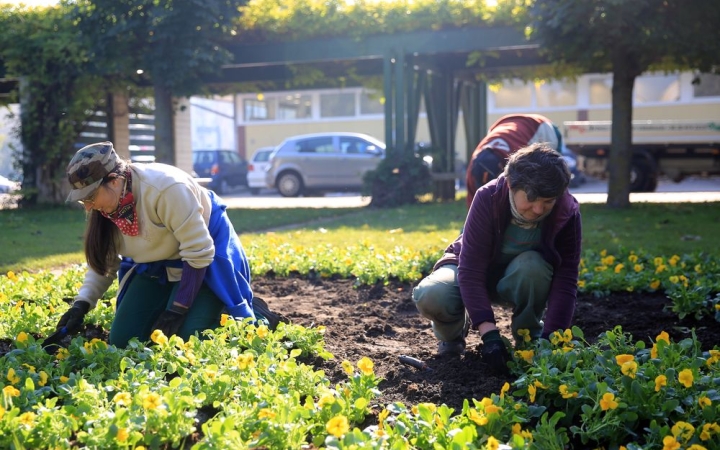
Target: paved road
[593, 191]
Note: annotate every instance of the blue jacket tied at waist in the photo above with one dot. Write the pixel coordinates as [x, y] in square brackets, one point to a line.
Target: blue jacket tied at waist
[228, 276]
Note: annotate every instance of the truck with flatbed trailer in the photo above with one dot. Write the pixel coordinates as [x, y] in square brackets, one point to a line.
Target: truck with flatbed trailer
[672, 148]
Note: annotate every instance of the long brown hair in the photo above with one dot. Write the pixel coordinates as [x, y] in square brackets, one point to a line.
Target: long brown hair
[102, 236]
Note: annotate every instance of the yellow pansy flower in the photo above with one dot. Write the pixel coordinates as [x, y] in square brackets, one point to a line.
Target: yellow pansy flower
[122, 434]
[12, 377]
[152, 401]
[703, 401]
[524, 334]
[685, 377]
[22, 337]
[338, 426]
[670, 443]
[266, 413]
[476, 417]
[563, 389]
[654, 284]
[366, 365]
[608, 401]
[347, 367]
[660, 381]
[683, 430]
[158, 337]
[11, 391]
[526, 355]
[123, 399]
[629, 368]
[492, 444]
[27, 419]
[244, 361]
[622, 359]
[262, 331]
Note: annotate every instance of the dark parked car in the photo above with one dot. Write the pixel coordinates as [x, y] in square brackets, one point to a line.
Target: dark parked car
[224, 169]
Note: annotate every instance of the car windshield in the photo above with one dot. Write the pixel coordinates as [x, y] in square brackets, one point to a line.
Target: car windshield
[262, 155]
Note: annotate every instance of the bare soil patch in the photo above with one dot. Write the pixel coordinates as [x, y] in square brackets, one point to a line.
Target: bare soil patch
[381, 322]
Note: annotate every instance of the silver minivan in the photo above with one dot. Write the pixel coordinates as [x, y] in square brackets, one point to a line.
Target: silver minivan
[323, 162]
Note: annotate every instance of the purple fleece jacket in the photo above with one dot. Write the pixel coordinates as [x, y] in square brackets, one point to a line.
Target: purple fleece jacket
[478, 248]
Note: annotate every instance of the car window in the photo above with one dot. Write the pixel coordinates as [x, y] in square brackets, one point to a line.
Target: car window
[315, 145]
[234, 158]
[203, 158]
[262, 156]
[353, 145]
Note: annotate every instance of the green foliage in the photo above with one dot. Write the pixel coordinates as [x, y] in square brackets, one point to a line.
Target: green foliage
[59, 92]
[281, 20]
[174, 42]
[398, 180]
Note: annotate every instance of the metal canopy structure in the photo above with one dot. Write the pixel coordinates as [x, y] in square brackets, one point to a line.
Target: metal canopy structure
[432, 65]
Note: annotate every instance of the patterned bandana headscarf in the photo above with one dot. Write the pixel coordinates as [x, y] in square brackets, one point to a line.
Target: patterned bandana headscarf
[125, 216]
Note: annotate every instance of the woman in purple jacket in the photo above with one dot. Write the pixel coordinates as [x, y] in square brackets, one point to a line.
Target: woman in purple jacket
[520, 244]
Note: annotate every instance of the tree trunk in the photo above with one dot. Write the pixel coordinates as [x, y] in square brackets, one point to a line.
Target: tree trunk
[620, 156]
[164, 129]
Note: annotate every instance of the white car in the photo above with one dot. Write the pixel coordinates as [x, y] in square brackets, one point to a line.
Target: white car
[257, 168]
[7, 186]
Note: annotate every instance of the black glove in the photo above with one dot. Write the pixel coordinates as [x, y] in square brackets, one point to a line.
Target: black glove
[169, 322]
[494, 353]
[73, 318]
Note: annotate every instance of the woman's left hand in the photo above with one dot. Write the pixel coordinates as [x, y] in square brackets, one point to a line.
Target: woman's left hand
[169, 322]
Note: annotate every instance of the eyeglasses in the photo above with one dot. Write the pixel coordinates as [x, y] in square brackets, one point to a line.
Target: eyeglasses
[89, 200]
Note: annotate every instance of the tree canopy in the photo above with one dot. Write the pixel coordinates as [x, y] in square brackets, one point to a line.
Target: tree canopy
[627, 38]
[81, 50]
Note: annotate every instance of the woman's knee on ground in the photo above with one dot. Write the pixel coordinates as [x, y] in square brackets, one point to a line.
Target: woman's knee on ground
[436, 301]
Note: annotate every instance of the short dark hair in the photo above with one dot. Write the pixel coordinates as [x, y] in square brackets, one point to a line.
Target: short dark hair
[538, 170]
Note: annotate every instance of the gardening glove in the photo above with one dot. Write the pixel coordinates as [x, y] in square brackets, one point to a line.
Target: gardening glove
[169, 322]
[494, 353]
[172, 319]
[73, 318]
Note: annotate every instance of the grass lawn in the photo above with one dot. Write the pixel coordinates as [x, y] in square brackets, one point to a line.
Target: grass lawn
[44, 238]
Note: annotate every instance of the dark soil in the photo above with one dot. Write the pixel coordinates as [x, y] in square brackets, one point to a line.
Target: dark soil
[381, 322]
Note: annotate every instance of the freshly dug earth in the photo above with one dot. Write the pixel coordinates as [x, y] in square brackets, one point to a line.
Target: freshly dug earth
[381, 322]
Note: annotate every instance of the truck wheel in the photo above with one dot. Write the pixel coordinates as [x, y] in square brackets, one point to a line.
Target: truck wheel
[289, 184]
[643, 176]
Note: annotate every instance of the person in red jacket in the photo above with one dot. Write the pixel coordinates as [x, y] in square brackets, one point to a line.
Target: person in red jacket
[505, 137]
[520, 245]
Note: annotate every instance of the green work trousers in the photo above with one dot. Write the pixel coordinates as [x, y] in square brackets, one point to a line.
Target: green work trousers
[144, 301]
[525, 284]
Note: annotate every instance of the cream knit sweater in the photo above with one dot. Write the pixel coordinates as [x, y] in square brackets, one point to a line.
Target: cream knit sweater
[173, 213]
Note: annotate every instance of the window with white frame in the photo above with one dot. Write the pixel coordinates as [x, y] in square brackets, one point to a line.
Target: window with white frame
[337, 104]
[552, 94]
[371, 103]
[658, 88]
[513, 94]
[708, 85]
[600, 90]
[294, 106]
[259, 109]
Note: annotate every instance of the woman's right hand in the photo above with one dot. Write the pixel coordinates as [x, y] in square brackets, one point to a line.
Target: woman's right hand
[73, 318]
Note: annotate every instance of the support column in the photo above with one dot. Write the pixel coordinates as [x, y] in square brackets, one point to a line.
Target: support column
[400, 101]
[119, 124]
[183, 134]
[388, 93]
